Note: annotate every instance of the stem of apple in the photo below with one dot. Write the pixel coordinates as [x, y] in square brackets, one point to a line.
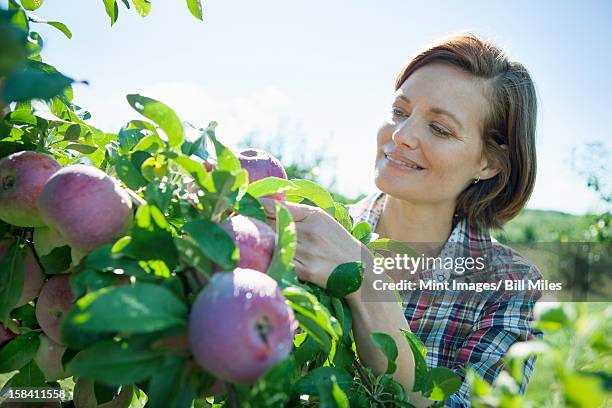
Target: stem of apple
[232, 396]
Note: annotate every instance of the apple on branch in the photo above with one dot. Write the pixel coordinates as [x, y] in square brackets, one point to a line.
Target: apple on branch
[22, 178]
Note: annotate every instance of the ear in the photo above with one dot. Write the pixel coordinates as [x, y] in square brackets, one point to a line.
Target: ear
[490, 167]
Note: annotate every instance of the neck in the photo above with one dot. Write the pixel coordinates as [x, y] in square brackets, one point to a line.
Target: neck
[413, 223]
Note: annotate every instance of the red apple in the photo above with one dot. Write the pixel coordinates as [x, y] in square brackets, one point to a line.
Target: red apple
[33, 276]
[260, 164]
[6, 335]
[240, 326]
[255, 240]
[53, 303]
[22, 178]
[86, 206]
[49, 359]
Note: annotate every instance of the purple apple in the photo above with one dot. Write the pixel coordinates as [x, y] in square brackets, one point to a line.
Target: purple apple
[49, 359]
[255, 240]
[22, 178]
[86, 206]
[53, 303]
[33, 275]
[261, 164]
[6, 335]
[240, 326]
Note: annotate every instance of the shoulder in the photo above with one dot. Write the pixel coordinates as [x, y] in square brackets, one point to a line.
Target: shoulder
[363, 209]
[510, 263]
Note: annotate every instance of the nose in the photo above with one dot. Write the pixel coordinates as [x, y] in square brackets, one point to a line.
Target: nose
[405, 133]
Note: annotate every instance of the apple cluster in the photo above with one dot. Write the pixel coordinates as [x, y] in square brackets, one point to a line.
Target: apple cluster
[240, 324]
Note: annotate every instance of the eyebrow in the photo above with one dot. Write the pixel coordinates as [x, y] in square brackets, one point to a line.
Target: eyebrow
[436, 110]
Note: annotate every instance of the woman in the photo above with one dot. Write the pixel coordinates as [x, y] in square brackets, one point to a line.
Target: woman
[455, 158]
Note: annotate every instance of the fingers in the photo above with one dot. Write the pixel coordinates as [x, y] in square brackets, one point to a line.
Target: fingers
[299, 212]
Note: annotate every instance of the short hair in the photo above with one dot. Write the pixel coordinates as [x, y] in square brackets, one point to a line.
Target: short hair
[510, 120]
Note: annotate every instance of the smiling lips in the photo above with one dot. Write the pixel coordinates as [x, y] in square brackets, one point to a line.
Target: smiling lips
[402, 161]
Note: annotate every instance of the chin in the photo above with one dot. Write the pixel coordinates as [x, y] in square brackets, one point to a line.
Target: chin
[391, 185]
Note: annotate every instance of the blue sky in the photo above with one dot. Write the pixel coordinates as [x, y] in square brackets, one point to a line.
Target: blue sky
[321, 73]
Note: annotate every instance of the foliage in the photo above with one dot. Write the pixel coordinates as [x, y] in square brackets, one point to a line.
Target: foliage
[134, 295]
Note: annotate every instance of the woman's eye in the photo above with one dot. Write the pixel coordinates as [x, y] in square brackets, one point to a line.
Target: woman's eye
[440, 131]
[397, 112]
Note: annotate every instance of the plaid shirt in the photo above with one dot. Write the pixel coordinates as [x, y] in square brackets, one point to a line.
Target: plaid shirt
[476, 331]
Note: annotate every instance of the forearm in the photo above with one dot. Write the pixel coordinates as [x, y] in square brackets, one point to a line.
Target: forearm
[382, 316]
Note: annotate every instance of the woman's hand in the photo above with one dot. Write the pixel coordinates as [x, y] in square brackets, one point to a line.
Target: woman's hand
[322, 243]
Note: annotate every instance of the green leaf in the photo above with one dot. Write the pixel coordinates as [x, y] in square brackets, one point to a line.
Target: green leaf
[192, 168]
[62, 27]
[583, 390]
[162, 115]
[56, 261]
[112, 10]
[19, 351]
[345, 318]
[30, 375]
[390, 245]
[152, 237]
[341, 215]
[73, 132]
[143, 7]
[171, 386]
[195, 8]
[362, 231]
[116, 362]
[214, 242]
[29, 83]
[331, 395]
[286, 244]
[82, 148]
[274, 388]
[270, 185]
[308, 384]
[387, 345]
[345, 279]
[11, 279]
[305, 303]
[444, 382]
[250, 207]
[129, 174]
[192, 255]
[226, 159]
[315, 193]
[421, 378]
[31, 4]
[307, 350]
[143, 307]
[314, 330]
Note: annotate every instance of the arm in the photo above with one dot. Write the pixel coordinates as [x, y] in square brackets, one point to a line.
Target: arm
[382, 316]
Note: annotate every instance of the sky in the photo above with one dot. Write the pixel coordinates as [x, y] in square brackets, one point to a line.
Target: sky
[320, 74]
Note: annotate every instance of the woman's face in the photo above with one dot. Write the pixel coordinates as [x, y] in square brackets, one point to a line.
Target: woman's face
[429, 147]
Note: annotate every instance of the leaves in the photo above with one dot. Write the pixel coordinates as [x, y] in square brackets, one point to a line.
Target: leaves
[143, 308]
[31, 4]
[345, 279]
[162, 115]
[421, 379]
[214, 242]
[18, 352]
[112, 10]
[270, 185]
[31, 83]
[387, 345]
[286, 244]
[143, 7]
[123, 362]
[11, 279]
[195, 8]
[444, 383]
[309, 384]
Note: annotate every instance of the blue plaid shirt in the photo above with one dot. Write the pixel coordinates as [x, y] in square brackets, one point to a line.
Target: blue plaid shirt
[479, 330]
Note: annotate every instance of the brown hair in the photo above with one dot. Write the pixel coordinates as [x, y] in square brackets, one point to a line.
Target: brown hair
[510, 121]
